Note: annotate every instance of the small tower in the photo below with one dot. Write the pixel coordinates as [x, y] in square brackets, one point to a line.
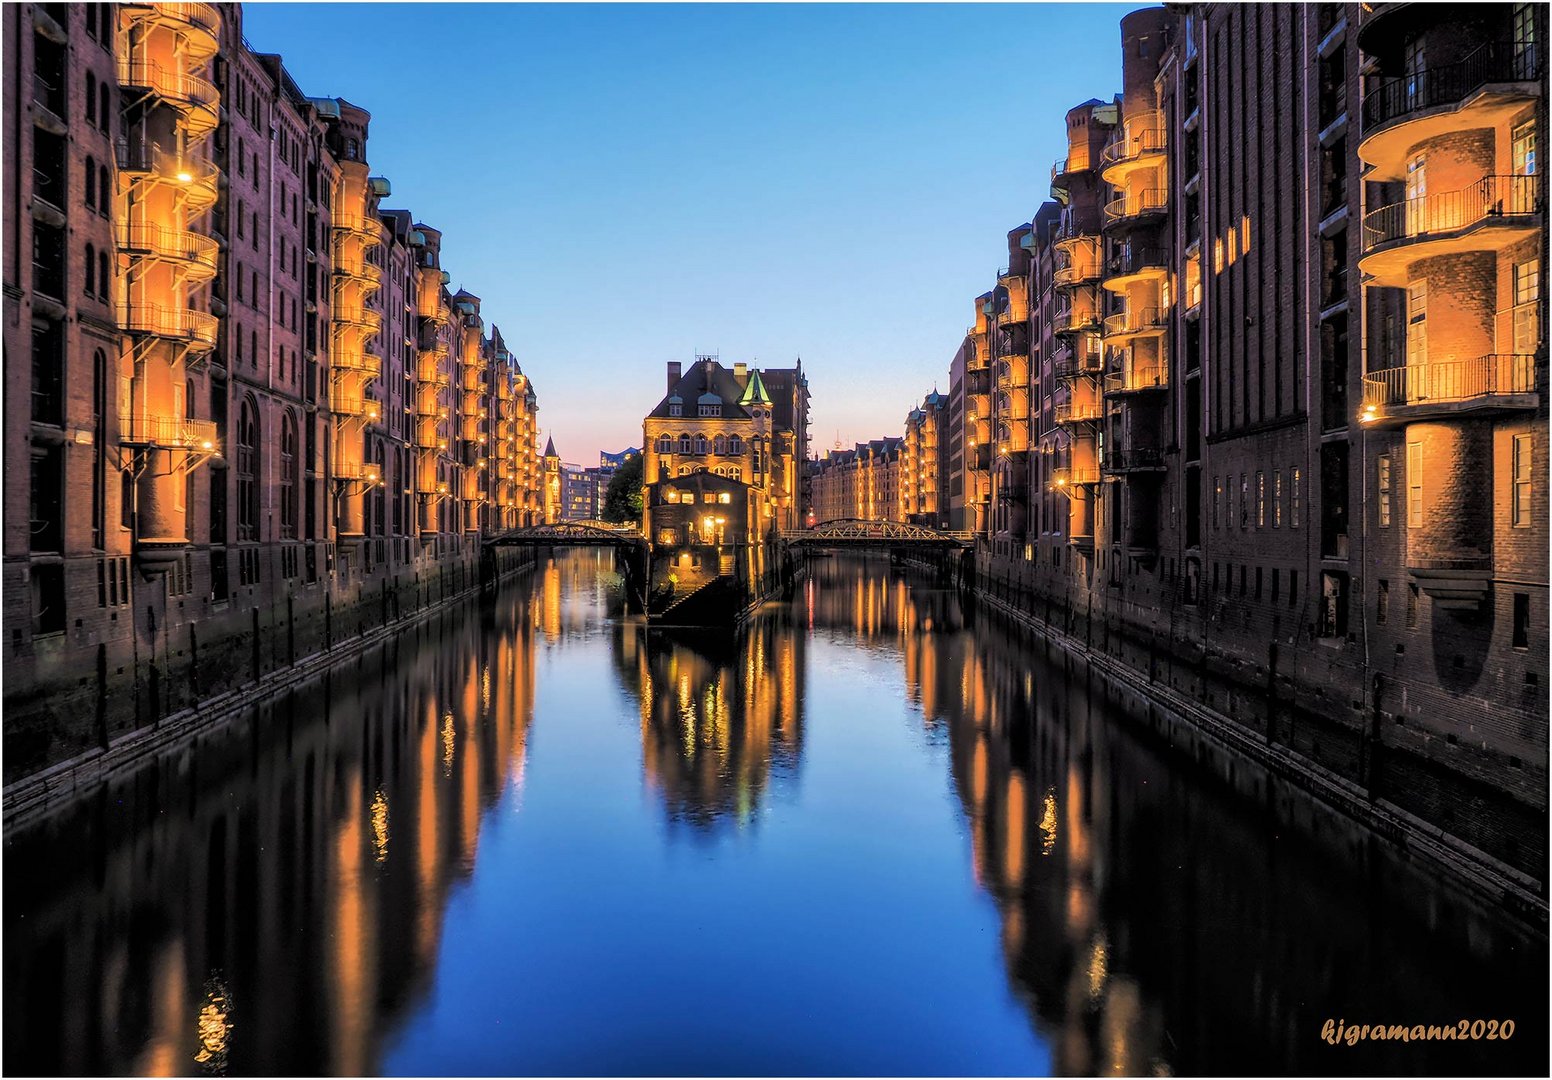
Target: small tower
[551, 483]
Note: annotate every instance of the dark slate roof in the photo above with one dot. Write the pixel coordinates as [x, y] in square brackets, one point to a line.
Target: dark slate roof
[693, 386]
[549, 448]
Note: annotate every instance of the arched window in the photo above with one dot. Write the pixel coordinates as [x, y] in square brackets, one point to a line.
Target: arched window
[684, 470]
[686, 446]
[736, 474]
[91, 269]
[104, 117]
[99, 445]
[248, 472]
[735, 445]
[91, 181]
[288, 470]
[665, 444]
[102, 274]
[91, 98]
[719, 446]
[700, 444]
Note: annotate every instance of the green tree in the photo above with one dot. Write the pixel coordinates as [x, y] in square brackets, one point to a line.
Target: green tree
[622, 500]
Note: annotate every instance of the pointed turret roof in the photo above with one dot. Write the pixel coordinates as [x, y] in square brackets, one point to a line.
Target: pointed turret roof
[754, 392]
[549, 448]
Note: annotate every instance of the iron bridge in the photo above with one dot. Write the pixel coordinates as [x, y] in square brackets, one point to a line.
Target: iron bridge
[860, 533]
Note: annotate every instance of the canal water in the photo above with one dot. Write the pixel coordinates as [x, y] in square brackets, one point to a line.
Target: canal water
[876, 833]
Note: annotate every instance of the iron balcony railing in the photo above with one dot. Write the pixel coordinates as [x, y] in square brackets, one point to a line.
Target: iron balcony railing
[364, 363]
[1130, 260]
[159, 241]
[1075, 474]
[1492, 197]
[1450, 84]
[1075, 319]
[1136, 321]
[191, 327]
[1133, 458]
[1077, 362]
[198, 178]
[1077, 412]
[1139, 137]
[1137, 204]
[358, 315]
[199, 16]
[1076, 272]
[1448, 381]
[168, 432]
[179, 87]
[1065, 166]
[1138, 378]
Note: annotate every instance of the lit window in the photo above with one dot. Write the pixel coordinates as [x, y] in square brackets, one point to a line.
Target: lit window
[1524, 450]
[1523, 144]
[1260, 500]
[725, 497]
[1293, 509]
[1277, 502]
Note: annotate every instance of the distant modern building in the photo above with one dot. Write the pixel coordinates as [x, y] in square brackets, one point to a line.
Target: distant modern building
[579, 493]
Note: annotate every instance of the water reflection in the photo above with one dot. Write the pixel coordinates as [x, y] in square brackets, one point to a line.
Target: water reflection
[300, 893]
[721, 716]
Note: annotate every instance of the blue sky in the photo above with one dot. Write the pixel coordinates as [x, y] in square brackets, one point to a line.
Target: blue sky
[627, 184]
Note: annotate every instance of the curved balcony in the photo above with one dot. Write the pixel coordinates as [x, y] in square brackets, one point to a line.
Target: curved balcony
[197, 99]
[431, 373]
[357, 316]
[358, 269]
[169, 433]
[1075, 320]
[1496, 382]
[363, 226]
[196, 255]
[1065, 168]
[1480, 91]
[1078, 412]
[198, 180]
[343, 402]
[199, 24]
[193, 328]
[1142, 141]
[1135, 322]
[355, 472]
[359, 363]
[1071, 234]
[1078, 271]
[474, 380]
[1075, 476]
[1139, 208]
[1135, 459]
[1078, 362]
[1130, 265]
[1488, 215]
[1138, 379]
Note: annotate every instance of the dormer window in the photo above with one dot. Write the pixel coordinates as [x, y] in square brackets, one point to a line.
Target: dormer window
[711, 410]
[675, 409]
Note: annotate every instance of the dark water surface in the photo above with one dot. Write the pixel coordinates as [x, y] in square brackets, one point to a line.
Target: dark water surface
[876, 834]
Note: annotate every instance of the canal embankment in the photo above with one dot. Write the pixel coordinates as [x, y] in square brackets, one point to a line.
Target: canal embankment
[1264, 771]
[244, 664]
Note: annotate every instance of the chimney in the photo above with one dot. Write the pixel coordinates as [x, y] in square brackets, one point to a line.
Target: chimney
[740, 371]
[673, 375]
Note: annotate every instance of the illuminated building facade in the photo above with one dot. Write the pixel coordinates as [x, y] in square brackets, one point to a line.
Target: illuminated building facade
[865, 482]
[258, 424]
[1289, 343]
[920, 465]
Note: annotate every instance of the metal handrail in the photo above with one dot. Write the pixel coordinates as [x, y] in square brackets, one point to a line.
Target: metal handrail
[195, 327]
[366, 363]
[1135, 320]
[1145, 134]
[1129, 260]
[169, 243]
[1451, 380]
[1147, 201]
[1450, 211]
[170, 432]
[1492, 62]
[173, 85]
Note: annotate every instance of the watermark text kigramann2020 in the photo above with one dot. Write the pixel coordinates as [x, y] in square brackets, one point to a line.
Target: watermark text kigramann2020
[1336, 1032]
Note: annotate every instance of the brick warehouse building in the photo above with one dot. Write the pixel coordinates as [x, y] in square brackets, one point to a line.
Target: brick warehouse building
[257, 421]
[1285, 381]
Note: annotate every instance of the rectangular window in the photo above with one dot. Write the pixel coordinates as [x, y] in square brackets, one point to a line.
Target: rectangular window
[1217, 499]
[1277, 501]
[1382, 603]
[1522, 620]
[1293, 516]
[1333, 605]
[1414, 480]
[1522, 142]
[1527, 317]
[1383, 500]
[1260, 499]
[1244, 500]
[1417, 324]
[1411, 611]
[1524, 447]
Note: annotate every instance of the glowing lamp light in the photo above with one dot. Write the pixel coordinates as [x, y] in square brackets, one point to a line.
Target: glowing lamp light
[1061, 482]
[372, 476]
[207, 445]
[1370, 413]
[185, 177]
